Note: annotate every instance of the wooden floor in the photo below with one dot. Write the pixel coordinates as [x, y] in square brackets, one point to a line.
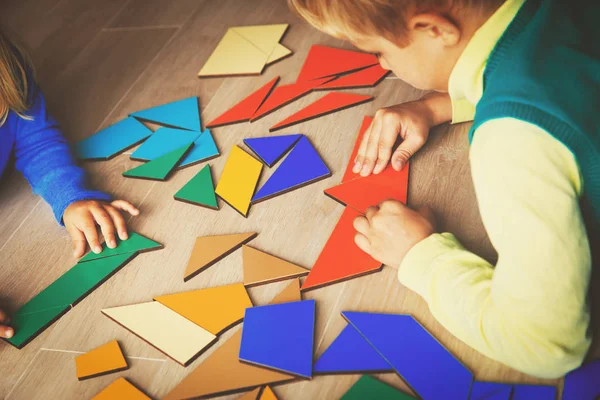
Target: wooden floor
[99, 60]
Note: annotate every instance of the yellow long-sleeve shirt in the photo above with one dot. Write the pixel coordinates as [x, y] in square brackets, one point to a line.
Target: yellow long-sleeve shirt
[530, 310]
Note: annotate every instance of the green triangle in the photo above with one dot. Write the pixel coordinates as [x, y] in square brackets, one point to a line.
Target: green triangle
[368, 388]
[135, 242]
[159, 168]
[199, 190]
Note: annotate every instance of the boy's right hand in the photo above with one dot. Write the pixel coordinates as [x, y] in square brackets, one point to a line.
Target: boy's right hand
[5, 330]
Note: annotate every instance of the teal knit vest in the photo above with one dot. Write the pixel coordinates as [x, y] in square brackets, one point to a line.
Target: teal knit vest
[546, 70]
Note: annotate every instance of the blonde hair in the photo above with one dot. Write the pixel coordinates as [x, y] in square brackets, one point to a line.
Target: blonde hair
[15, 64]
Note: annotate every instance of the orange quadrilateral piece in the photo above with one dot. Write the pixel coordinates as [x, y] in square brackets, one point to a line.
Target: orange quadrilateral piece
[210, 249]
[267, 394]
[341, 259]
[348, 174]
[367, 77]
[290, 293]
[323, 61]
[214, 309]
[103, 360]
[121, 389]
[251, 395]
[261, 268]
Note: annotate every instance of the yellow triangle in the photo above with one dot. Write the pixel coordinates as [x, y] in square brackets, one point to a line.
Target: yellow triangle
[102, 360]
[264, 37]
[261, 268]
[268, 394]
[278, 53]
[121, 389]
[214, 309]
[290, 293]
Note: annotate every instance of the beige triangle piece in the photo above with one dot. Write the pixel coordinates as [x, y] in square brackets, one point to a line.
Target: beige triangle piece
[234, 55]
[261, 268]
[169, 332]
[279, 52]
[267, 394]
[251, 395]
[214, 309]
[290, 293]
[210, 249]
[264, 37]
[121, 389]
[103, 360]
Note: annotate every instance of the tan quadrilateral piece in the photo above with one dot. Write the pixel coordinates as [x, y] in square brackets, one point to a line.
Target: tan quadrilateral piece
[214, 309]
[121, 389]
[267, 394]
[290, 293]
[279, 52]
[103, 360]
[251, 395]
[261, 268]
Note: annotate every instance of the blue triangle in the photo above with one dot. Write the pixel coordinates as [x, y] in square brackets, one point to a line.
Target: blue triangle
[490, 391]
[350, 352]
[180, 114]
[280, 337]
[424, 364]
[163, 141]
[302, 166]
[534, 392]
[271, 149]
[204, 149]
[583, 383]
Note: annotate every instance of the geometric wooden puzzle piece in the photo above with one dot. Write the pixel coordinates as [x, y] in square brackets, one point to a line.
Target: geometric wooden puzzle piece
[341, 259]
[279, 53]
[103, 360]
[323, 61]
[348, 174]
[290, 293]
[251, 395]
[366, 77]
[169, 332]
[350, 353]
[222, 373]
[301, 167]
[110, 141]
[534, 392]
[238, 180]
[261, 268]
[267, 394]
[280, 337]
[210, 249]
[178, 114]
[328, 104]
[160, 168]
[264, 37]
[199, 190]
[246, 108]
[284, 95]
[204, 149]
[163, 141]
[420, 360]
[368, 388]
[491, 390]
[270, 149]
[214, 309]
[121, 389]
[583, 383]
[135, 243]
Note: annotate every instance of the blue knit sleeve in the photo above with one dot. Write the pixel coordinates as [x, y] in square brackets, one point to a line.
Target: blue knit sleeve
[43, 156]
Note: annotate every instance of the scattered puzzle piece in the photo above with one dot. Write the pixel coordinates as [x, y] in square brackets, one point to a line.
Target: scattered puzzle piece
[261, 268]
[267, 394]
[135, 243]
[110, 141]
[350, 353]
[415, 356]
[340, 258]
[238, 180]
[160, 168]
[121, 389]
[214, 309]
[251, 395]
[210, 249]
[327, 104]
[279, 53]
[348, 174]
[290, 293]
[490, 391]
[103, 360]
[204, 149]
[280, 337]
[534, 392]
[368, 388]
[367, 77]
[583, 383]
[265, 37]
[169, 332]
[323, 61]
[163, 141]
[270, 149]
[178, 114]
[199, 190]
[301, 167]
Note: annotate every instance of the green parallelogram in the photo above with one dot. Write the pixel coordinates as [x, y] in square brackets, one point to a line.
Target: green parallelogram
[135, 243]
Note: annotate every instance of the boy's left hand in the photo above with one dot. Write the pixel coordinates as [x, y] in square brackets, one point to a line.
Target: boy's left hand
[389, 231]
[81, 218]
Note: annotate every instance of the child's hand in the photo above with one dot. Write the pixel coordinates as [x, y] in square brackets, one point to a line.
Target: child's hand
[5, 330]
[81, 218]
[389, 231]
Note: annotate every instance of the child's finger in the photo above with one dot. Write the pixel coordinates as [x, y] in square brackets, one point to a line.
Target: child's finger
[362, 242]
[6, 331]
[79, 242]
[369, 212]
[407, 148]
[125, 206]
[361, 225]
[370, 156]
[4, 318]
[386, 143]
[106, 225]
[362, 148]
[91, 235]
[119, 222]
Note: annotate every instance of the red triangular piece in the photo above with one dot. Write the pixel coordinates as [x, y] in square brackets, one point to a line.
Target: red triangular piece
[341, 259]
[329, 103]
[349, 175]
[367, 77]
[323, 61]
[246, 108]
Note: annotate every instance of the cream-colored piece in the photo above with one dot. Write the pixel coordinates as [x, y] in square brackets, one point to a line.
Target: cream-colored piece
[169, 332]
[234, 55]
[278, 53]
[264, 37]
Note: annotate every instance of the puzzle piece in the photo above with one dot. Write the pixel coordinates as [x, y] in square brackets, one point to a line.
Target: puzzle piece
[169, 332]
[270, 149]
[261, 268]
[583, 383]
[204, 149]
[246, 108]
[368, 388]
[301, 167]
[279, 53]
[534, 392]
[490, 391]
[163, 141]
[238, 180]
[199, 190]
[327, 104]
[160, 168]
[135, 243]
[251, 395]
[210, 249]
[413, 355]
[103, 360]
[340, 258]
[265, 37]
[121, 389]
[348, 174]
[214, 309]
[367, 77]
[280, 337]
[323, 61]
[350, 353]
[290, 293]
[178, 114]
[267, 394]
[110, 141]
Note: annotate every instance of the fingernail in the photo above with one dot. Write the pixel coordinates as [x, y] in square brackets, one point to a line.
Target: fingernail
[356, 167]
[112, 244]
[398, 164]
[9, 333]
[364, 171]
[124, 235]
[377, 169]
[97, 249]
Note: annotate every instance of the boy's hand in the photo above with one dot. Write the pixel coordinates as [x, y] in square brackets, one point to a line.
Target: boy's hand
[5, 330]
[81, 218]
[389, 231]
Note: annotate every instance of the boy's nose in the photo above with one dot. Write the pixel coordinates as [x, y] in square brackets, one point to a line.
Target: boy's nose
[383, 63]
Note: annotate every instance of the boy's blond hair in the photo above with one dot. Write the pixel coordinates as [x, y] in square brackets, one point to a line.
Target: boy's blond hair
[14, 84]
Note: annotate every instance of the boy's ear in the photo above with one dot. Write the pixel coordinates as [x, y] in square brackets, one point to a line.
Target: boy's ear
[436, 26]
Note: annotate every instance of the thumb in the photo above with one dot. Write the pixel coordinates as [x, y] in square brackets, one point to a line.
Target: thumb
[407, 148]
[427, 213]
